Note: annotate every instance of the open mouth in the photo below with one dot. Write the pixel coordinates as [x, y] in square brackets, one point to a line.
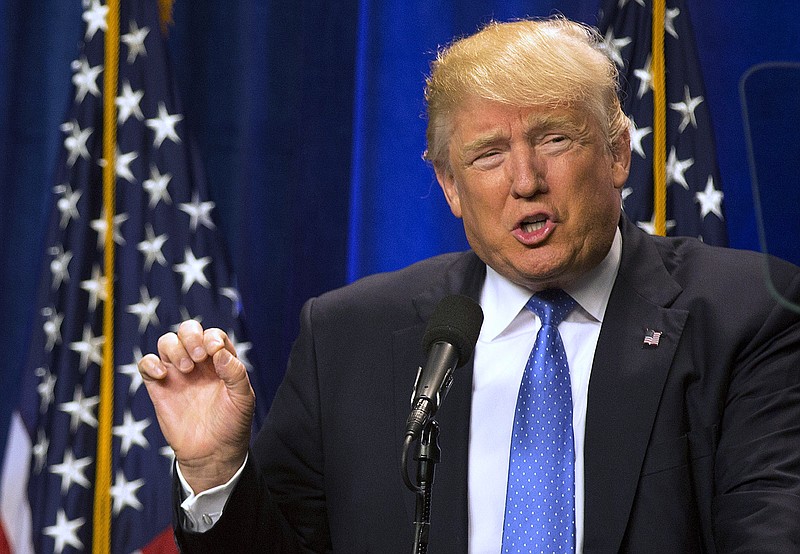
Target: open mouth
[534, 224]
[534, 229]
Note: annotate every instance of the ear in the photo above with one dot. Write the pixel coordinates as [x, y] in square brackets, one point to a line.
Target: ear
[450, 188]
[621, 159]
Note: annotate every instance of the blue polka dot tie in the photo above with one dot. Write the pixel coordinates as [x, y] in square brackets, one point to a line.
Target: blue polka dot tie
[540, 499]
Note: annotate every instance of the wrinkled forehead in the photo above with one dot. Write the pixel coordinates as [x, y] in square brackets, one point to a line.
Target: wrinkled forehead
[479, 117]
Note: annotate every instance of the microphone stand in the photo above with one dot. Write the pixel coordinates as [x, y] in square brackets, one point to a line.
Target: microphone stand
[428, 455]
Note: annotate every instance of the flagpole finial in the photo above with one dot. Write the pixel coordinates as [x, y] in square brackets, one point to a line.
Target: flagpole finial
[165, 14]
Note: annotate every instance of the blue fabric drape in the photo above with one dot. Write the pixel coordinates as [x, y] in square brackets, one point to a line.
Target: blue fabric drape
[309, 118]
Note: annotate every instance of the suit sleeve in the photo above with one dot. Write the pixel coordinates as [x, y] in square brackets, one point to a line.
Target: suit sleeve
[250, 522]
[757, 470]
[278, 505]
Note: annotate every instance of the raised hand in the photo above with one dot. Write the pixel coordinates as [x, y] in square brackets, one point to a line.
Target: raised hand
[203, 401]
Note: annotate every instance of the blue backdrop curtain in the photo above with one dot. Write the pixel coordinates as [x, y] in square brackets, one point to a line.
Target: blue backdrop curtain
[308, 115]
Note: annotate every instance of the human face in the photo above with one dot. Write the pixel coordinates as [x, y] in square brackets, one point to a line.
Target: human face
[538, 189]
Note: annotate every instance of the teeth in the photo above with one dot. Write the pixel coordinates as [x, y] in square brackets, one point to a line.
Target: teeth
[531, 227]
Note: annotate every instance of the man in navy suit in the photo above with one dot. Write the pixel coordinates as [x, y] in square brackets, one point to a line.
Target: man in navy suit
[684, 371]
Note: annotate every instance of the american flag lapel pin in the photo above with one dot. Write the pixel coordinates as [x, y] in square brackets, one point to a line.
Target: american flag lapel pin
[651, 338]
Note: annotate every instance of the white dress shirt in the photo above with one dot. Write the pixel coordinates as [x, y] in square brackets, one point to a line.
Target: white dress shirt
[505, 341]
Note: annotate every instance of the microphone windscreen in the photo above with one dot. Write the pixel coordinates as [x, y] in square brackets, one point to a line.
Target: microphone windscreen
[456, 320]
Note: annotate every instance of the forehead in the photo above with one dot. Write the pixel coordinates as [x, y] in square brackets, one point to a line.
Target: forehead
[479, 120]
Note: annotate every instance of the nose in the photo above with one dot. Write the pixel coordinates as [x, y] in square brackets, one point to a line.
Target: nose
[527, 174]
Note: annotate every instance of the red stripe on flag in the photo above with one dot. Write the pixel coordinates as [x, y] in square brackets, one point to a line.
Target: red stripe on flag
[164, 543]
[4, 546]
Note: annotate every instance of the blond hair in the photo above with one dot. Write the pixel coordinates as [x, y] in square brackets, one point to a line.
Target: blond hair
[553, 62]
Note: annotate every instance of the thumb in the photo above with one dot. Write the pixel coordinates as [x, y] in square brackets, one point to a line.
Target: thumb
[232, 371]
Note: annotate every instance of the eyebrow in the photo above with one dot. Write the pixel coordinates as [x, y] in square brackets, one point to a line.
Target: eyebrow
[484, 141]
[537, 123]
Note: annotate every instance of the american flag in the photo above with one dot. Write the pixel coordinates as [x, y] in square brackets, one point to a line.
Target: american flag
[651, 337]
[170, 266]
[694, 194]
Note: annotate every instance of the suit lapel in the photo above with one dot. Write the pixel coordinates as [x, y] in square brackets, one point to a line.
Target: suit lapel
[626, 383]
[624, 391]
[449, 518]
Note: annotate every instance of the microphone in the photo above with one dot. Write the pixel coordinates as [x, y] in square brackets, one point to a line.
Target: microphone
[448, 343]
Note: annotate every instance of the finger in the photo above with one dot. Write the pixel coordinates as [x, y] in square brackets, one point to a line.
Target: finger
[172, 352]
[151, 368]
[216, 339]
[228, 366]
[190, 333]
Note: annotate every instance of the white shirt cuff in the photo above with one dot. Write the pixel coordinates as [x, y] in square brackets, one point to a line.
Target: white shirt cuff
[203, 510]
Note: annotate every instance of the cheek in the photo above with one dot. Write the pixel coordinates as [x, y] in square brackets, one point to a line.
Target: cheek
[483, 210]
[477, 216]
[595, 191]
[598, 210]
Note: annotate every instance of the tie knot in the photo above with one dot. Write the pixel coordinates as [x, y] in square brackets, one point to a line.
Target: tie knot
[551, 305]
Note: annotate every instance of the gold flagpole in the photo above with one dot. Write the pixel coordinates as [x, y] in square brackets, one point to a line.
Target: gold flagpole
[101, 538]
[657, 67]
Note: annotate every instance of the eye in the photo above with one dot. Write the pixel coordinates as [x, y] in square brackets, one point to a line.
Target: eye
[555, 143]
[488, 159]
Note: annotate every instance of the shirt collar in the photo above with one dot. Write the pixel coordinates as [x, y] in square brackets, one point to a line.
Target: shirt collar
[502, 301]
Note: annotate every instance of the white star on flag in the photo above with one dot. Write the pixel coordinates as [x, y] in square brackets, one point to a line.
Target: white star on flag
[134, 39]
[199, 212]
[64, 532]
[52, 327]
[46, 389]
[151, 247]
[710, 199]
[192, 270]
[124, 493]
[636, 137]
[676, 169]
[645, 76]
[122, 164]
[80, 410]
[650, 226]
[95, 18]
[72, 471]
[39, 451]
[164, 125]
[669, 20]
[59, 266]
[67, 204]
[101, 227]
[89, 348]
[96, 287]
[241, 349]
[613, 46]
[85, 79]
[132, 371]
[132, 432]
[75, 143]
[686, 109]
[156, 187]
[145, 309]
[128, 103]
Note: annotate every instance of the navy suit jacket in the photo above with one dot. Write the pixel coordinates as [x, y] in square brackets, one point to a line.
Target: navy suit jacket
[692, 445]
